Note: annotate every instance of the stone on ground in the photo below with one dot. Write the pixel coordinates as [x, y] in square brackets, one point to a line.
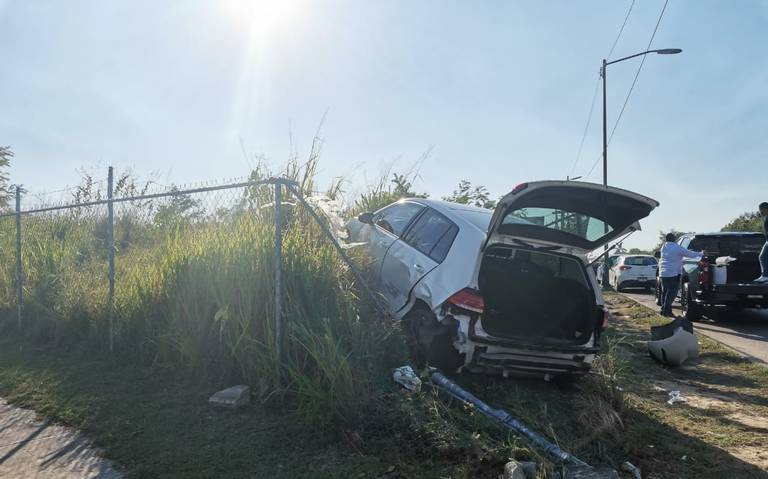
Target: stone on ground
[233, 397]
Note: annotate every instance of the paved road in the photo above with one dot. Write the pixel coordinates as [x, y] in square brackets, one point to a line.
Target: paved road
[34, 448]
[747, 333]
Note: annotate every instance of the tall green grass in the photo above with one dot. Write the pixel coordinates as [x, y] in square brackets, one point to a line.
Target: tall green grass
[195, 292]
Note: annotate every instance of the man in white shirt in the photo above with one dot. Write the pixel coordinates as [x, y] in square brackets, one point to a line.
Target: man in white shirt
[670, 267]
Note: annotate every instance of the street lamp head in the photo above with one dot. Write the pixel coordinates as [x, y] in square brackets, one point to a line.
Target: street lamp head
[669, 51]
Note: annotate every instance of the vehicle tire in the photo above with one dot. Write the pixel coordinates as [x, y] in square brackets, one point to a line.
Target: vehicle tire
[618, 287]
[691, 310]
[430, 342]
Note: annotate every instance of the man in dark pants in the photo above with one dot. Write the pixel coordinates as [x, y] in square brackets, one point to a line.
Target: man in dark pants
[670, 267]
[764, 252]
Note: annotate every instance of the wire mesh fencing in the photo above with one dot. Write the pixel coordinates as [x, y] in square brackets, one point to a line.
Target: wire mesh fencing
[175, 273]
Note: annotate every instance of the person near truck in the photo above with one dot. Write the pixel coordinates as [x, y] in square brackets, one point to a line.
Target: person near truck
[764, 252]
[670, 267]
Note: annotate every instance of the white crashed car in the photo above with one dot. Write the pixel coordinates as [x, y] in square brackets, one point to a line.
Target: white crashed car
[505, 291]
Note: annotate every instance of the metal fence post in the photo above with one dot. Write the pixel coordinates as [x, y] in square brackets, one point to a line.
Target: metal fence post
[279, 333]
[19, 271]
[111, 259]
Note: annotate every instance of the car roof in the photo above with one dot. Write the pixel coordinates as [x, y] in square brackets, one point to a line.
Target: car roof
[455, 209]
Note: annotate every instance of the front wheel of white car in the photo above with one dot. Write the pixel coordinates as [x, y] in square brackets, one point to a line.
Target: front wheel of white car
[430, 342]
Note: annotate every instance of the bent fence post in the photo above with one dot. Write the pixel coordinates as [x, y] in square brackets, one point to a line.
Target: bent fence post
[111, 259]
[358, 276]
[19, 271]
[278, 283]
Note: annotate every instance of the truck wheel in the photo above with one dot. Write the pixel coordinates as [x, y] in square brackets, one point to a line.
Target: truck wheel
[691, 310]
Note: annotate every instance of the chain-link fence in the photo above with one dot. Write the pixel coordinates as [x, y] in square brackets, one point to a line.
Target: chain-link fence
[115, 263]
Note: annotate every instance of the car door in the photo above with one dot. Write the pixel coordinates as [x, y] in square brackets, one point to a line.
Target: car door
[388, 225]
[421, 249]
[567, 215]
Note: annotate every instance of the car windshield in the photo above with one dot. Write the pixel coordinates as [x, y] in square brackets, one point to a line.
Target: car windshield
[640, 261]
[570, 222]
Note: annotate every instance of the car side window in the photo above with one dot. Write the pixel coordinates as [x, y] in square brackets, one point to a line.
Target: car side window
[432, 234]
[397, 217]
[685, 241]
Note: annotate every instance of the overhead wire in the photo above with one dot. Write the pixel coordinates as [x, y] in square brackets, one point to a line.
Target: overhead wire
[632, 87]
[594, 93]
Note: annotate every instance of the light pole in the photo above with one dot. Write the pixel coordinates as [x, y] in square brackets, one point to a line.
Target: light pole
[603, 71]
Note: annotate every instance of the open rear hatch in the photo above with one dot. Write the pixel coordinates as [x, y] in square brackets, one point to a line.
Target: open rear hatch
[533, 275]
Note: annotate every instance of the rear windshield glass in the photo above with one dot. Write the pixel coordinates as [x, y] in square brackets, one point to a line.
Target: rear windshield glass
[727, 245]
[576, 224]
[481, 219]
[640, 261]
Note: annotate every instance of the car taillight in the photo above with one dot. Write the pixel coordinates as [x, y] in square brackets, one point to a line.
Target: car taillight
[517, 189]
[624, 267]
[705, 275]
[468, 299]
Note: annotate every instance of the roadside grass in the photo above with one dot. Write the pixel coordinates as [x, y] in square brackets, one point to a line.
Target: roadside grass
[154, 422]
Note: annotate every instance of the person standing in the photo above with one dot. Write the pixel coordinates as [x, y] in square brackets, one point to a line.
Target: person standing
[764, 252]
[670, 267]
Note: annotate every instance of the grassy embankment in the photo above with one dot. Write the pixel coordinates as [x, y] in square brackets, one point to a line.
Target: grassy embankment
[194, 302]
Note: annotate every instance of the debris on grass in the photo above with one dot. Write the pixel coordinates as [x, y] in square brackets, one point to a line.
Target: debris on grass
[407, 377]
[632, 469]
[676, 396]
[232, 397]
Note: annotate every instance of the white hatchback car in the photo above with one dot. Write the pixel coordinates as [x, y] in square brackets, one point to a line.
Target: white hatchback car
[633, 271]
[505, 291]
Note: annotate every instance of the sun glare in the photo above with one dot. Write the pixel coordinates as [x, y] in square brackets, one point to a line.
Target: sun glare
[262, 14]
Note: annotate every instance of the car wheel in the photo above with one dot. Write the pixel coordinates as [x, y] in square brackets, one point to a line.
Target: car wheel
[430, 342]
[691, 310]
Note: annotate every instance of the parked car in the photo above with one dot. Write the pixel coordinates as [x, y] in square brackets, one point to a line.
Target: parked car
[633, 271]
[611, 262]
[706, 285]
[507, 291]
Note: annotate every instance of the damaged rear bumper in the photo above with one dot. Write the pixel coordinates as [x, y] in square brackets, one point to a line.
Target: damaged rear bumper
[487, 354]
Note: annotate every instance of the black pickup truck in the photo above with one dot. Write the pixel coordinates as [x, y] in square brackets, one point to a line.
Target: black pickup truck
[705, 285]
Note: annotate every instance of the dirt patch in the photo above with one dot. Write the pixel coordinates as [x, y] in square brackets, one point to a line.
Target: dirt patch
[756, 455]
[722, 404]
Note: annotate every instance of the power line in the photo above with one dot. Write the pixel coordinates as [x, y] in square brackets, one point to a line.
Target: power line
[639, 68]
[621, 30]
[594, 94]
[632, 87]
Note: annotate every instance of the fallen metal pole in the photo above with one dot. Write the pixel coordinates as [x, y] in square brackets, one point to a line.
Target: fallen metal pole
[502, 417]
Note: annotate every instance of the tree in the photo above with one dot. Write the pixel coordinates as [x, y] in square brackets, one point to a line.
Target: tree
[5, 162]
[179, 210]
[638, 251]
[749, 221]
[467, 195]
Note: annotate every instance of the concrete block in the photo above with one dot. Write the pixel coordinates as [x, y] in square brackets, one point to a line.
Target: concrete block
[233, 397]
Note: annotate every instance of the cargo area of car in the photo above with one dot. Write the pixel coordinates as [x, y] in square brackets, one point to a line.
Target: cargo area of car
[536, 295]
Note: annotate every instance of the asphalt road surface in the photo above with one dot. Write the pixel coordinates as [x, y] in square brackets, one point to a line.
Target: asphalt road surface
[31, 447]
[746, 332]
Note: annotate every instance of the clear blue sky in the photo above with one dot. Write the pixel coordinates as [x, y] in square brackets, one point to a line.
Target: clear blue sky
[501, 89]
